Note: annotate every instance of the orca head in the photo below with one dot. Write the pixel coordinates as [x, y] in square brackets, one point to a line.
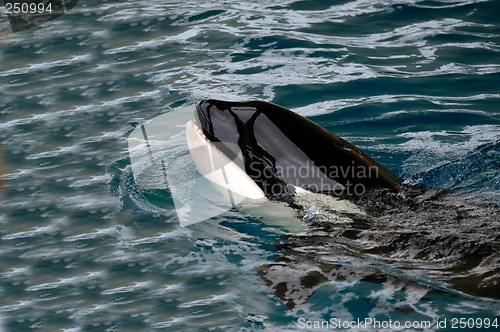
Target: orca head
[285, 153]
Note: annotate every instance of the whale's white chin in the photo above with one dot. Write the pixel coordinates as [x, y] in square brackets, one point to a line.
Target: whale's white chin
[214, 165]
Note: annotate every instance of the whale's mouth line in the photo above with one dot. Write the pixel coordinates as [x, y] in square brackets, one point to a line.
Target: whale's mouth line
[195, 125]
[227, 173]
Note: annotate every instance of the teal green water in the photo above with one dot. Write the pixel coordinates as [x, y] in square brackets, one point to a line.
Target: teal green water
[413, 83]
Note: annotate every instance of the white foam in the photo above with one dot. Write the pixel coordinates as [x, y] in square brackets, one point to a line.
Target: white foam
[68, 281]
[208, 301]
[128, 289]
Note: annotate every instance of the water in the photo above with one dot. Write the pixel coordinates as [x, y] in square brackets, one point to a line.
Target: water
[413, 83]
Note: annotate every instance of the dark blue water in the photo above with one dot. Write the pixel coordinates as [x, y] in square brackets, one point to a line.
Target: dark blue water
[412, 83]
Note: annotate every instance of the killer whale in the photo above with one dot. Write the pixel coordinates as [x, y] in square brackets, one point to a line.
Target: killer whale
[282, 153]
[430, 227]
[423, 224]
[251, 155]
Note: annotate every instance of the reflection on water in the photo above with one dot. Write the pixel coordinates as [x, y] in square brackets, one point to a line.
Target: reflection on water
[412, 238]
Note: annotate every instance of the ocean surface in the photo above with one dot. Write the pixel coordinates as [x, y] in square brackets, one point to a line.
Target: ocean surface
[415, 84]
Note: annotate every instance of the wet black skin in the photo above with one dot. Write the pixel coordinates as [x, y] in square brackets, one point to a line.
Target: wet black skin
[280, 147]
